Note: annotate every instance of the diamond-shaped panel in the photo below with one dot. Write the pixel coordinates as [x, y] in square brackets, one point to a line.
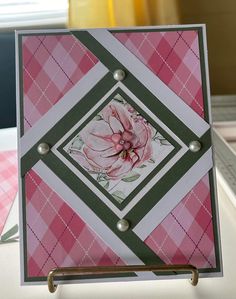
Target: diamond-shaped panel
[118, 148]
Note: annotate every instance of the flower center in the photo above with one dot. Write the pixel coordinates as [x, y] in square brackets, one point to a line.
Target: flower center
[127, 145]
[122, 141]
[127, 136]
[116, 138]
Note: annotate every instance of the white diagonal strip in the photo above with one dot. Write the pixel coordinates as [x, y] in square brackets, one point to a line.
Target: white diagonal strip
[88, 216]
[170, 200]
[72, 97]
[164, 94]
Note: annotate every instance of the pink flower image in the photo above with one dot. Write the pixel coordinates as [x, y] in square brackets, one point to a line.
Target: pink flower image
[116, 143]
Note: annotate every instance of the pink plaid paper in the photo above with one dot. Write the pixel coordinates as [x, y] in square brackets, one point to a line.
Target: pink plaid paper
[51, 66]
[172, 56]
[8, 184]
[56, 235]
[185, 236]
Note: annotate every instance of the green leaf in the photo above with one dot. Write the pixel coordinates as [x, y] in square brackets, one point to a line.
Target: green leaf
[77, 143]
[104, 183]
[119, 98]
[102, 180]
[142, 166]
[98, 117]
[119, 196]
[130, 177]
[151, 160]
[164, 142]
[92, 171]
[101, 176]
[158, 136]
[10, 233]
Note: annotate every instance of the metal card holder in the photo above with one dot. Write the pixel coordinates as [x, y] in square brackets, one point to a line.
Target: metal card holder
[58, 272]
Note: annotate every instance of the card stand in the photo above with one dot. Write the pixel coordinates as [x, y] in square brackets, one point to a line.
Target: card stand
[70, 271]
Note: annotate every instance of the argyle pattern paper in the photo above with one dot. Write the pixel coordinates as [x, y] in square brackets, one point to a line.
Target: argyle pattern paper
[174, 57]
[57, 236]
[185, 236]
[8, 184]
[69, 217]
[52, 65]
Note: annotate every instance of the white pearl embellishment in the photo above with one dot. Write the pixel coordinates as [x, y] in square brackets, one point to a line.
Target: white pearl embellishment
[122, 225]
[119, 75]
[43, 148]
[195, 146]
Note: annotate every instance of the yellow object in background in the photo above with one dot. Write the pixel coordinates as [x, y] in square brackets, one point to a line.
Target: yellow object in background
[121, 13]
[107, 13]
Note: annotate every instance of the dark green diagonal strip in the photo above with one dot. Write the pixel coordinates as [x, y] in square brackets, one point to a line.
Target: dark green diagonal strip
[68, 121]
[152, 197]
[142, 251]
[142, 93]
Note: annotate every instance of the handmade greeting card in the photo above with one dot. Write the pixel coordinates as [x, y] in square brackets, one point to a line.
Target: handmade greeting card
[115, 151]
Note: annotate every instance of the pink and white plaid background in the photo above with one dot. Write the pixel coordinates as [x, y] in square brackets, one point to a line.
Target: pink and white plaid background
[173, 56]
[8, 184]
[52, 65]
[56, 235]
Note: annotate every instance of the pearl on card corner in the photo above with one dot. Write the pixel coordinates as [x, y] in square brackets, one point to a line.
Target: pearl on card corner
[43, 148]
[119, 75]
[195, 146]
[122, 225]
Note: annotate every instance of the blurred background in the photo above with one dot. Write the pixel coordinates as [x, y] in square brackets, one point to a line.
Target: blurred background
[218, 15]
